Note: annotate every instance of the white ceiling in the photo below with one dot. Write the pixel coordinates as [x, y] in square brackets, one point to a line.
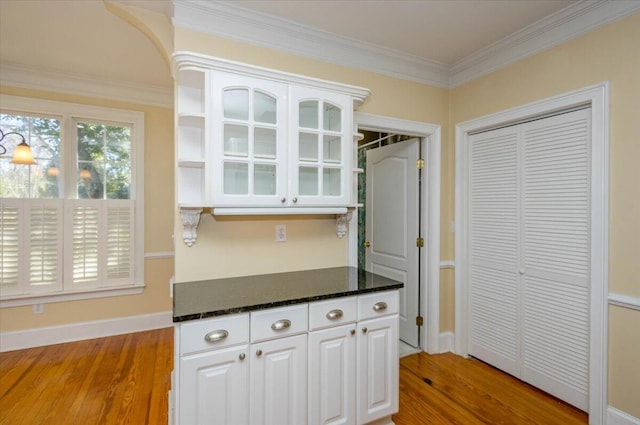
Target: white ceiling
[441, 42]
[444, 31]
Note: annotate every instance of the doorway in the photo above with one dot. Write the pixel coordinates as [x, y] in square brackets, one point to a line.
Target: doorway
[424, 139]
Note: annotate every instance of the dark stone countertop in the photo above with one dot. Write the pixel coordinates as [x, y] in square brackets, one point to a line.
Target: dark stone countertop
[209, 298]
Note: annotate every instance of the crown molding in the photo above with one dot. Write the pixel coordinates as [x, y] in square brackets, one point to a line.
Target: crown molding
[558, 28]
[14, 75]
[236, 23]
[239, 24]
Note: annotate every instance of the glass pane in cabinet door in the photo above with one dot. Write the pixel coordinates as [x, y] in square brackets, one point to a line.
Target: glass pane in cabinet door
[236, 140]
[332, 149]
[264, 178]
[332, 117]
[308, 114]
[236, 104]
[308, 181]
[264, 108]
[236, 178]
[264, 143]
[308, 147]
[331, 182]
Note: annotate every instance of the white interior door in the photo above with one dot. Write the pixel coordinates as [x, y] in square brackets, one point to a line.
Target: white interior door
[392, 225]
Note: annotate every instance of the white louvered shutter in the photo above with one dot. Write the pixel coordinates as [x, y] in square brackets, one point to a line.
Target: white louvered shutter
[119, 241]
[556, 256]
[44, 236]
[10, 238]
[83, 242]
[493, 247]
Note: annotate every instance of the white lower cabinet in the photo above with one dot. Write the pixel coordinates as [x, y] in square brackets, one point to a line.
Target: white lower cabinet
[214, 387]
[377, 365]
[278, 382]
[332, 376]
[329, 362]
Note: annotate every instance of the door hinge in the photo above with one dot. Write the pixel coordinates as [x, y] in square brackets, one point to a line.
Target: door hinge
[420, 242]
[420, 164]
[419, 320]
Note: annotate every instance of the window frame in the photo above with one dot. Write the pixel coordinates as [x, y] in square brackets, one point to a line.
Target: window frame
[69, 114]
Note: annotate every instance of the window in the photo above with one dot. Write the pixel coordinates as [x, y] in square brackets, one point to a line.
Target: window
[71, 226]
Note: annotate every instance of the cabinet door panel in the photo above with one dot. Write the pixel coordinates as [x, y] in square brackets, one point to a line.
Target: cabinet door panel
[214, 388]
[319, 147]
[332, 374]
[378, 365]
[278, 390]
[247, 135]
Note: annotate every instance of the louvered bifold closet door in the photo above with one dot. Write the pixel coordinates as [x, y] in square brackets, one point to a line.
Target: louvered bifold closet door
[556, 258]
[493, 248]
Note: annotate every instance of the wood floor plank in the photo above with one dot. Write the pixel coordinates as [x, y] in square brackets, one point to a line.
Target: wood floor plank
[124, 379]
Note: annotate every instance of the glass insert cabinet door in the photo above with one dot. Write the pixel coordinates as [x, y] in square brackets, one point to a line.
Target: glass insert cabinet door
[320, 147]
[248, 137]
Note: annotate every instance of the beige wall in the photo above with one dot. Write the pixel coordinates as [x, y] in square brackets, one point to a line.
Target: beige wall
[612, 54]
[239, 246]
[158, 219]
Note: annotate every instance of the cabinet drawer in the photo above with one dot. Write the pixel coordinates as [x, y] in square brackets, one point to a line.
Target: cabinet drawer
[209, 334]
[278, 322]
[378, 304]
[324, 314]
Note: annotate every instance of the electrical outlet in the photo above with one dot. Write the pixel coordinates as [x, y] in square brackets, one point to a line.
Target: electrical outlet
[38, 308]
[281, 232]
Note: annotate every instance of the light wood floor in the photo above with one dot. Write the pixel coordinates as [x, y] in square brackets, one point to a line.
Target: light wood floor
[124, 380]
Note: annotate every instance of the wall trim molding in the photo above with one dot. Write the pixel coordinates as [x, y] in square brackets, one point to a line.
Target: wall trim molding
[14, 75]
[447, 340]
[159, 255]
[29, 338]
[618, 417]
[626, 301]
[447, 264]
[560, 27]
[247, 26]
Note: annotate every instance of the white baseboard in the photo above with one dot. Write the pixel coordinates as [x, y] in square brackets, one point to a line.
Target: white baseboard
[446, 342]
[618, 417]
[37, 337]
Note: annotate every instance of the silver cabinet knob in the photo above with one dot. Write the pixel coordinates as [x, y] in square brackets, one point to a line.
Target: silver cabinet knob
[283, 200]
[241, 356]
[215, 336]
[381, 306]
[295, 200]
[364, 330]
[281, 325]
[335, 314]
[258, 352]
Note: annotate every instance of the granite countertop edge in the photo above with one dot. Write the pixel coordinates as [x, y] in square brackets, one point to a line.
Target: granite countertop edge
[281, 303]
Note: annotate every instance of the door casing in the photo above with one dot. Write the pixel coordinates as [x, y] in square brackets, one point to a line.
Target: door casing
[597, 97]
[430, 135]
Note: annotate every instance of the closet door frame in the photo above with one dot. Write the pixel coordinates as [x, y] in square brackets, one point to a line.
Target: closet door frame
[597, 97]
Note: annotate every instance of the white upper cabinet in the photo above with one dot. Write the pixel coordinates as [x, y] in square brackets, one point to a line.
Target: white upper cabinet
[251, 137]
[248, 141]
[320, 147]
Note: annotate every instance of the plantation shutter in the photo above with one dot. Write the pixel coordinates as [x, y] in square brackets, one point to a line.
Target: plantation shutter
[556, 255]
[44, 235]
[493, 247]
[101, 242]
[10, 246]
[119, 240]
